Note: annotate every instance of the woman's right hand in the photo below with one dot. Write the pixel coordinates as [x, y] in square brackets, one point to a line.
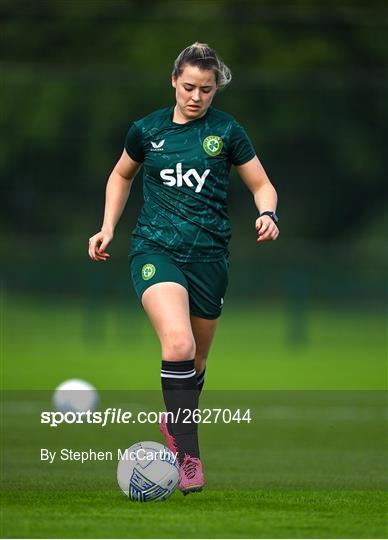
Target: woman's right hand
[98, 244]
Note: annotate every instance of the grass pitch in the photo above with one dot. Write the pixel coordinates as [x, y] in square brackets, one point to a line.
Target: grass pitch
[114, 347]
[210, 514]
[310, 464]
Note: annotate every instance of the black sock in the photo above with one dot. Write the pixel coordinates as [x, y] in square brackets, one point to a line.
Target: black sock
[201, 381]
[180, 393]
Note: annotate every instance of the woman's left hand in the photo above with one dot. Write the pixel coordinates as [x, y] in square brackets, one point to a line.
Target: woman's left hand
[266, 229]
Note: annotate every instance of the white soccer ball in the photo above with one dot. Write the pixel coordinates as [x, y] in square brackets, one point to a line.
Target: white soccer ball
[75, 395]
[147, 471]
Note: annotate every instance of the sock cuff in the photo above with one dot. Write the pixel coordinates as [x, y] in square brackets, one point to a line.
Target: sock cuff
[178, 370]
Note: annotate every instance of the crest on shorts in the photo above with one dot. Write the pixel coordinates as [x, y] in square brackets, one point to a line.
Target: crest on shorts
[213, 145]
[148, 271]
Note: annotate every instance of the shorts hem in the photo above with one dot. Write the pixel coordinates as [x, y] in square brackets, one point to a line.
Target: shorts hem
[140, 295]
[205, 315]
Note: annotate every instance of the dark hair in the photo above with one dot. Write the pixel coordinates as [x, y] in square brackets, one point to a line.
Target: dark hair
[204, 57]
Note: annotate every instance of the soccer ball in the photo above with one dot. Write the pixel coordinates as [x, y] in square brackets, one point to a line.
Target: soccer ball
[75, 395]
[147, 471]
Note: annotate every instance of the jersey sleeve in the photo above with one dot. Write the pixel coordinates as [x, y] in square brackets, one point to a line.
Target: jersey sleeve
[240, 147]
[134, 144]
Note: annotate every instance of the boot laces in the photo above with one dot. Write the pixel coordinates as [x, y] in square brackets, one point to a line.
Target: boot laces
[189, 465]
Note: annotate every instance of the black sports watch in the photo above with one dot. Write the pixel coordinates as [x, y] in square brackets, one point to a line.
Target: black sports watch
[272, 215]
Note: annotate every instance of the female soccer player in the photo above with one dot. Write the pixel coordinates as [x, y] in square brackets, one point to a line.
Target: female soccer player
[179, 255]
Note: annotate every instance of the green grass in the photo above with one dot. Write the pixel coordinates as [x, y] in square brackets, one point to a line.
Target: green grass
[314, 468]
[211, 514]
[115, 347]
[310, 464]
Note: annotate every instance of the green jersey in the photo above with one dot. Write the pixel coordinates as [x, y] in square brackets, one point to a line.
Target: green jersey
[185, 182]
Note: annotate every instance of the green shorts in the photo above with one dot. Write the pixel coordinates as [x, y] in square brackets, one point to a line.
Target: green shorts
[206, 283]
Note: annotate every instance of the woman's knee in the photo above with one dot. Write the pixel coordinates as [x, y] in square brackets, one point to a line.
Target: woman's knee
[178, 346]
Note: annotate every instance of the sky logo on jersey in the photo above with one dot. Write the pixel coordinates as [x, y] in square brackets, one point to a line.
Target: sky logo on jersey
[213, 145]
[157, 146]
[178, 179]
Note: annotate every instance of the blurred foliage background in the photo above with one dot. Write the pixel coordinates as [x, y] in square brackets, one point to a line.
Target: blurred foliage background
[309, 85]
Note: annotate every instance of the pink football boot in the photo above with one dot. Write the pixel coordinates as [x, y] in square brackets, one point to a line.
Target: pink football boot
[170, 441]
[191, 476]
